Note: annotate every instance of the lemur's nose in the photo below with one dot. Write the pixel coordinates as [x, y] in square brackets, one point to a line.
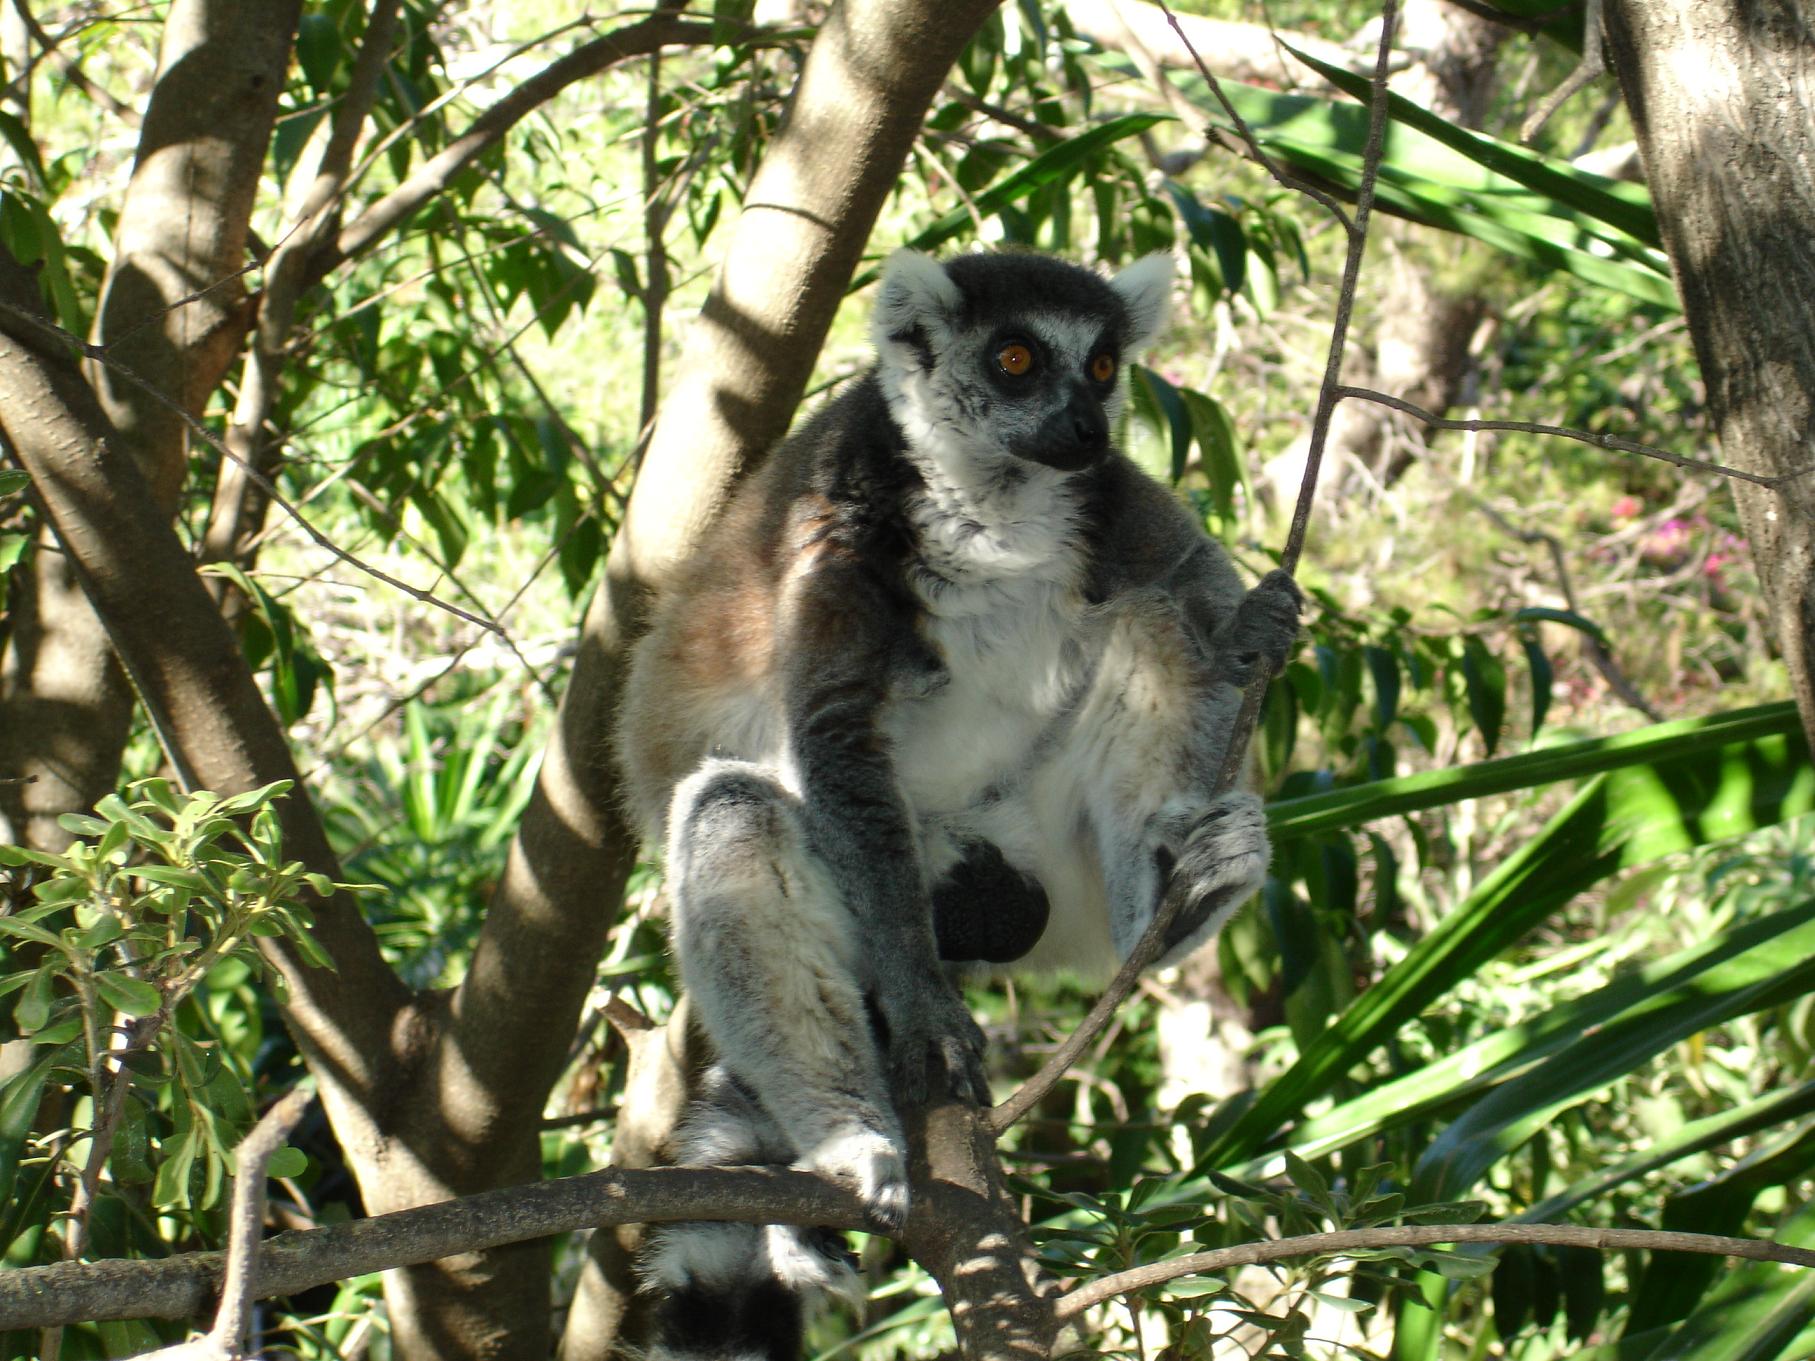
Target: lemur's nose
[1088, 423]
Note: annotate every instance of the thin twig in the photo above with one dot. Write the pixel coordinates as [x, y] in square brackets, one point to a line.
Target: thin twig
[1598, 655]
[1623, 445]
[1346, 1242]
[226, 1340]
[1247, 134]
[1592, 67]
[1150, 946]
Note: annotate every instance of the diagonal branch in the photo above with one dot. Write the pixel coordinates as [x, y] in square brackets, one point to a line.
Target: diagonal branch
[187, 668]
[1346, 1242]
[435, 174]
[238, 508]
[226, 1340]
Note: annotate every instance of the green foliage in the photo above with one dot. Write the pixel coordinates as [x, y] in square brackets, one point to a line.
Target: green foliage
[135, 975]
[429, 818]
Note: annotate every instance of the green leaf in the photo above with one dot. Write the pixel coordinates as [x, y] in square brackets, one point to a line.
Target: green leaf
[1383, 665]
[253, 799]
[32, 1011]
[1543, 677]
[1164, 409]
[133, 996]
[287, 1162]
[173, 876]
[26, 930]
[1215, 231]
[318, 50]
[19, 855]
[14, 133]
[103, 931]
[172, 1184]
[1758, 966]
[1047, 168]
[130, 1161]
[1485, 678]
[1214, 431]
[1568, 618]
[18, 1109]
[1698, 792]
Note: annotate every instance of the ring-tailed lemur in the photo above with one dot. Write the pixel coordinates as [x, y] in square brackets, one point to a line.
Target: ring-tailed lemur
[952, 679]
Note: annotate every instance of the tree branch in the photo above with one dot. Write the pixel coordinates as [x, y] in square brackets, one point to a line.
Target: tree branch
[226, 1340]
[1618, 442]
[183, 1285]
[1248, 138]
[435, 174]
[188, 669]
[1346, 1242]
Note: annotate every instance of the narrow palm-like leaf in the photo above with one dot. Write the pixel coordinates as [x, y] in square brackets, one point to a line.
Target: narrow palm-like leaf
[1350, 807]
[1722, 1204]
[1778, 967]
[1044, 169]
[1625, 206]
[1626, 817]
[1505, 1054]
[1759, 1311]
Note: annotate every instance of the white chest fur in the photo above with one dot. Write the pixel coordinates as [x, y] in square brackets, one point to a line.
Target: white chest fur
[998, 573]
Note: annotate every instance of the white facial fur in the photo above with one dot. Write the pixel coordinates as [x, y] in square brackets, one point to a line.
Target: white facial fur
[934, 357]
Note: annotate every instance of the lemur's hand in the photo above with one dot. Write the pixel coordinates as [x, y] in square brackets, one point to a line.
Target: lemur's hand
[1259, 637]
[932, 1039]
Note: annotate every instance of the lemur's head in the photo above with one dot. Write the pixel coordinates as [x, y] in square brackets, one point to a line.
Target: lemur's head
[1013, 356]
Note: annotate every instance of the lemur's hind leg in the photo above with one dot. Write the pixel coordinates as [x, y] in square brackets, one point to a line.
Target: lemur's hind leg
[768, 955]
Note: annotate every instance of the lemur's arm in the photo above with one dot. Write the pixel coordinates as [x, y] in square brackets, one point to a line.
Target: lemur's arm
[849, 638]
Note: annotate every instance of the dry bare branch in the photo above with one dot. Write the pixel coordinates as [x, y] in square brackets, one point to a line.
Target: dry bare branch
[1348, 1241]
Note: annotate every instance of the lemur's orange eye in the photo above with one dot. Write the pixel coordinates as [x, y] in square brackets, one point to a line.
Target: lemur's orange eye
[1015, 359]
[1102, 368]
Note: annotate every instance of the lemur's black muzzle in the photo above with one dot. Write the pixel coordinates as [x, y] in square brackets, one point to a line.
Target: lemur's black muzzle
[1075, 436]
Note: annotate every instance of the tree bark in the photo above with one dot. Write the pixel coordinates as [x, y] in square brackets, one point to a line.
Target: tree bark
[1719, 94]
[65, 706]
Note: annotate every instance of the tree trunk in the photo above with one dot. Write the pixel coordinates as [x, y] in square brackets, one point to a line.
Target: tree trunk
[1719, 94]
[65, 706]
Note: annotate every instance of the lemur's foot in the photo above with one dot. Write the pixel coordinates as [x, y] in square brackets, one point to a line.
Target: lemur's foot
[1221, 863]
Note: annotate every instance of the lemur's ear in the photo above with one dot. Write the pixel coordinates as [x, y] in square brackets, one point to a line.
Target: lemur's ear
[1145, 288]
[916, 295]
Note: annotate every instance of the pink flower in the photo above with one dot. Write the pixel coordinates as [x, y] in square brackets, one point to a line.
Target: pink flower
[1626, 507]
